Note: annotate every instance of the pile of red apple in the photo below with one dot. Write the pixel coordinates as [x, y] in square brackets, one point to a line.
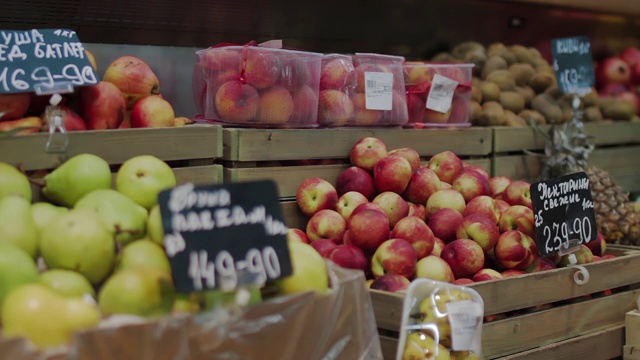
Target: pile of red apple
[127, 97]
[446, 220]
[619, 76]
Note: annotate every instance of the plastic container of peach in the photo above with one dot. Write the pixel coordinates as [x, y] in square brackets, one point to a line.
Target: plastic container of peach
[256, 86]
[438, 95]
[362, 90]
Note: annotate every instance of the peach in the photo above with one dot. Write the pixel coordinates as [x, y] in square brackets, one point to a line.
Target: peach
[540, 264]
[335, 108]
[14, 106]
[515, 250]
[518, 193]
[29, 125]
[390, 282]
[498, 184]
[356, 179]
[417, 73]
[237, 102]
[366, 152]
[583, 256]
[417, 233]
[392, 173]
[484, 205]
[501, 206]
[464, 256]
[360, 70]
[133, 77]
[102, 106]
[393, 205]
[415, 108]
[598, 246]
[315, 194]
[480, 229]
[221, 59]
[463, 281]
[71, 120]
[411, 155]
[262, 68]
[368, 229]
[445, 199]
[362, 115]
[276, 106]
[349, 257]
[438, 245]
[486, 275]
[338, 74]
[394, 256]
[305, 105]
[445, 186]
[326, 224]
[434, 268]
[294, 72]
[324, 246]
[368, 206]
[512, 272]
[398, 114]
[436, 117]
[470, 184]
[417, 210]
[152, 111]
[446, 165]
[348, 202]
[294, 234]
[479, 169]
[517, 217]
[444, 223]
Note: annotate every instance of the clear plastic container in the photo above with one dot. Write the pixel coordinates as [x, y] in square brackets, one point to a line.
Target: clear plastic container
[440, 321]
[252, 86]
[363, 90]
[427, 104]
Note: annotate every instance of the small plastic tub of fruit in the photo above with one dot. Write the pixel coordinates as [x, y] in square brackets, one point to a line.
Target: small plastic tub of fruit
[362, 90]
[440, 321]
[253, 86]
[438, 95]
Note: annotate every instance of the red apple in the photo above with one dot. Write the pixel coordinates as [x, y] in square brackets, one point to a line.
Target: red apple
[438, 245]
[498, 184]
[635, 74]
[464, 256]
[541, 263]
[411, 155]
[479, 169]
[348, 202]
[444, 223]
[416, 232]
[294, 234]
[392, 173]
[483, 205]
[356, 179]
[515, 250]
[631, 55]
[613, 70]
[434, 268]
[445, 199]
[394, 256]
[518, 193]
[346, 240]
[598, 246]
[152, 111]
[102, 106]
[512, 272]
[393, 205]
[422, 185]
[366, 153]
[315, 194]
[463, 281]
[629, 97]
[480, 229]
[368, 229]
[349, 256]
[14, 106]
[486, 275]
[71, 120]
[323, 246]
[326, 224]
[517, 217]
[446, 165]
[390, 282]
[417, 210]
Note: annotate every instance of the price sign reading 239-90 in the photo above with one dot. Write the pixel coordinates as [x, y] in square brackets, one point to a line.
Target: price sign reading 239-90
[224, 236]
[563, 211]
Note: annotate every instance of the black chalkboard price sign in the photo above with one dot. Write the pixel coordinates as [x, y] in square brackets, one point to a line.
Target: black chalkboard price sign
[224, 236]
[563, 212]
[44, 61]
[573, 64]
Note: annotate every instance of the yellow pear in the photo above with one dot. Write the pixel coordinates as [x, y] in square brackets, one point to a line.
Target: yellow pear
[421, 346]
[144, 253]
[16, 268]
[17, 225]
[45, 317]
[67, 283]
[309, 270]
[154, 226]
[43, 213]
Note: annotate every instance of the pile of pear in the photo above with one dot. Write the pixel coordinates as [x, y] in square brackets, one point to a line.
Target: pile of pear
[91, 251]
[515, 86]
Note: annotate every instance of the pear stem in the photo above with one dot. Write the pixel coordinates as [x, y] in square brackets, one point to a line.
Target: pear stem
[21, 168]
[38, 182]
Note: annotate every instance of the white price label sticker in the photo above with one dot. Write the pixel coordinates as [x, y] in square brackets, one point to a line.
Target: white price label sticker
[441, 93]
[464, 317]
[378, 90]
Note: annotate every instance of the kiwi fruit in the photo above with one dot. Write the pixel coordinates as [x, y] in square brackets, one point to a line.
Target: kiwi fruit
[499, 49]
[527, 93]
[567, 111]
[474, 112]
[591, 99]
[522, 72]
[460, 50]
[541, 80]
[476, 94]
[592, 114]
[503, 78]
[523, 54]
[532, 115]
[511, 100]
[534, 52]
[512, 119]
[478, 58]
[494, 63]
[443, 57]
[548, 107]
[554, 92]
[540, 64]
[492, 114]
[618, 110]
[490, 91]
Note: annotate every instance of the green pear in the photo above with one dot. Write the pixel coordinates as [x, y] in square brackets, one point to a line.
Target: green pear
[141, 291]
[14, 182]
[154, 226]
[216, 298]
[75, 178]
[142, 177]
[309, 270]
[43, 213]
[188, 303]
[126, 219]
[16, 268]
[143, 253]
[17, 225]
[79, 240]
[45, 317]
[67, 283]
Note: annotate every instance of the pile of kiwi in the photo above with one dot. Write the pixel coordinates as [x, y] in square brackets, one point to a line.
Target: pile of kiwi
[513, 85]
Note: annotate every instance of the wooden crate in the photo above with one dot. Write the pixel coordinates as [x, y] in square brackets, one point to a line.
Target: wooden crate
[256, 154]
[617, 146]
[190, 150]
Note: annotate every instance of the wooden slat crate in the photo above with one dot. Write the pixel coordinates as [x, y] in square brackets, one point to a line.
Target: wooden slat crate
[617, 146]
[256, 154]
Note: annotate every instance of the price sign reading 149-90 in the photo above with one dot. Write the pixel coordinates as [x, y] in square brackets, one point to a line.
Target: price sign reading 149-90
[221, 237]
[563, 211]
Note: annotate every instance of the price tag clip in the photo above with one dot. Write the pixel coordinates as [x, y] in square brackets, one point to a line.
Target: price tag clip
[54, 117]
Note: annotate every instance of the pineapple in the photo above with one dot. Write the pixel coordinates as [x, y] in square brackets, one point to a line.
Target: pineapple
[567, 150]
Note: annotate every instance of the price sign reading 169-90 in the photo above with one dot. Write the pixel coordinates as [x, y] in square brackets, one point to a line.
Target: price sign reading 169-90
[563, 211]
[224, 236]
